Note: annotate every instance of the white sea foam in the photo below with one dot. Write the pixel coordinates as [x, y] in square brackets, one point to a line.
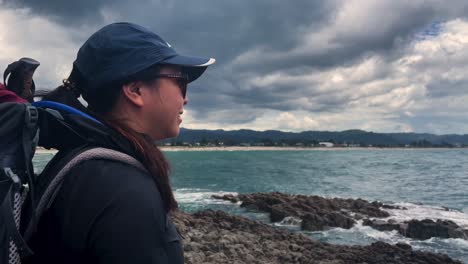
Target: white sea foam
[359, 229]
[421, 212]
[365, 235]
[360, 233]
[199, 196]
[388, 236]
[458, 242]
[289, 222]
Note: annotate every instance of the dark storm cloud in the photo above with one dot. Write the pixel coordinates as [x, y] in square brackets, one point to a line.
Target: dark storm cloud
[291, 97]
[273, 36]
[67, 12]
[383, 30]
[221, 28]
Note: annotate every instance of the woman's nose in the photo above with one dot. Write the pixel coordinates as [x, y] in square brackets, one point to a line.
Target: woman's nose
[185, 100]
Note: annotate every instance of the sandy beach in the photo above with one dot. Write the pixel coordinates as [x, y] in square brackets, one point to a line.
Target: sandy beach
[233, 148]
[258, 148]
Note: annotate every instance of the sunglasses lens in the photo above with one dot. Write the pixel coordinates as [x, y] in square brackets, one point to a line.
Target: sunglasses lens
[183, 86]
[182, 80]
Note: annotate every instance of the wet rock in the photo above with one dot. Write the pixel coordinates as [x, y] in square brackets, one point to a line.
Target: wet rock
[387, 206]
[382, 225]
[217, 237]
[316, 213]
[290, 220]
[227, 197]
[420, 229]
[313, 222]
[425, 229]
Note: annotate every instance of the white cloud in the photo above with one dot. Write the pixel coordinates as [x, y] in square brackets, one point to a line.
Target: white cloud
[290, 122]
[23, 34]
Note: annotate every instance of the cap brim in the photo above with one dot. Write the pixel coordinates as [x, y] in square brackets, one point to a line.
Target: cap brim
[189, 61]
[193, 66]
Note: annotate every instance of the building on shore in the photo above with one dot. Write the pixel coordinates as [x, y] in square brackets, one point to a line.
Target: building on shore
[326, 144]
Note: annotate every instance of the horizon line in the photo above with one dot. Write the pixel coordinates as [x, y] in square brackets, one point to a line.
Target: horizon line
[329, 131]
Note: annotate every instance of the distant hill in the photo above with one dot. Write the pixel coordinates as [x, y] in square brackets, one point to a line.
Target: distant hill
[355, 137]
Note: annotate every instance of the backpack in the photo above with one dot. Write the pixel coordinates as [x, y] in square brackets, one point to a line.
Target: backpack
[23, 127]
[18, 73]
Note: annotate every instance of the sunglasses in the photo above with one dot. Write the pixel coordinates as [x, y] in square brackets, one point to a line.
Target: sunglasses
[181, 79]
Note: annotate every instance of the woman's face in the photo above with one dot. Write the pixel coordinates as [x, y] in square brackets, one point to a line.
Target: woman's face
[163, 105]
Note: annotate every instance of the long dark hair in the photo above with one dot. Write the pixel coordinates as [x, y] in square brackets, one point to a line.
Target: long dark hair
[101, 104]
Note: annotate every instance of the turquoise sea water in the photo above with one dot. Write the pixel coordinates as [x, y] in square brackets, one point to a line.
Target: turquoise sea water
[431, 183]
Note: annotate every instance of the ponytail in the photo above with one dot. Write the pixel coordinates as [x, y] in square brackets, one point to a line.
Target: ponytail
[67, 94]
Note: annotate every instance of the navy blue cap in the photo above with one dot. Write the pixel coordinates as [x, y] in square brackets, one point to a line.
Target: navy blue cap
[122, 49]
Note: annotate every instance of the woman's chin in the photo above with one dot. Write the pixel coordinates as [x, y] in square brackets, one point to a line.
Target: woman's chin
[174, 133]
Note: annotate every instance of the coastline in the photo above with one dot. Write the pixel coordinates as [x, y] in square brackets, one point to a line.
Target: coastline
[259, 148]
[213, 236]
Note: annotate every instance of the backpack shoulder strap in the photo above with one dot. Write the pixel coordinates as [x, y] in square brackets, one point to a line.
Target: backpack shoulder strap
[96, 153]
[53, 188]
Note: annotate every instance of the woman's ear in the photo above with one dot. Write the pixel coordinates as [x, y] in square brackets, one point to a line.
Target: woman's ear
[132, 93]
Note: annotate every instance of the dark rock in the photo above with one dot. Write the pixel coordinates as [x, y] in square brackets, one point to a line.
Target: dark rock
[404, 246]
[420, 229]
[312, 222]
[217, 237]
[382, 225]
[227, 197]
[316, 213]
[425, 229]
[278, 212]
[387, 206]
[339, 220]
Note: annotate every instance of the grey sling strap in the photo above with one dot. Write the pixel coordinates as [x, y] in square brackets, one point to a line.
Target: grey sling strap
[96, 153]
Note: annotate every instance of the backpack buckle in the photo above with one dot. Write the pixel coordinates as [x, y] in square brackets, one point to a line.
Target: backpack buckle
[9, 172]
[32, 116]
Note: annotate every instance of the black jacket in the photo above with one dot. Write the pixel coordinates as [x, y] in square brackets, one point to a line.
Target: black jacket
[105, 211]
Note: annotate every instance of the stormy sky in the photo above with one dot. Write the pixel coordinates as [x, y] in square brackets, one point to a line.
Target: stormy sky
[383, 66]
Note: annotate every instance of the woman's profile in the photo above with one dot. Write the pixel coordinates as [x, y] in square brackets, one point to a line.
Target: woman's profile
[135, 84]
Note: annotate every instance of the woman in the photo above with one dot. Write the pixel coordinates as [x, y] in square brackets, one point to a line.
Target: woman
[109, 212]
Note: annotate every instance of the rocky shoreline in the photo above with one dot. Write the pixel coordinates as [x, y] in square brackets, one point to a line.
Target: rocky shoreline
[421, 229]
[217, 237]
[317, 213]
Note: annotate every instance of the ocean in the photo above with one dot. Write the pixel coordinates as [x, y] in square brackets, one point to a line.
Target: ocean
[431, 183]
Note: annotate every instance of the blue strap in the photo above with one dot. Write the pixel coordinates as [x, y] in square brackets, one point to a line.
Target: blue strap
[65, 108]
